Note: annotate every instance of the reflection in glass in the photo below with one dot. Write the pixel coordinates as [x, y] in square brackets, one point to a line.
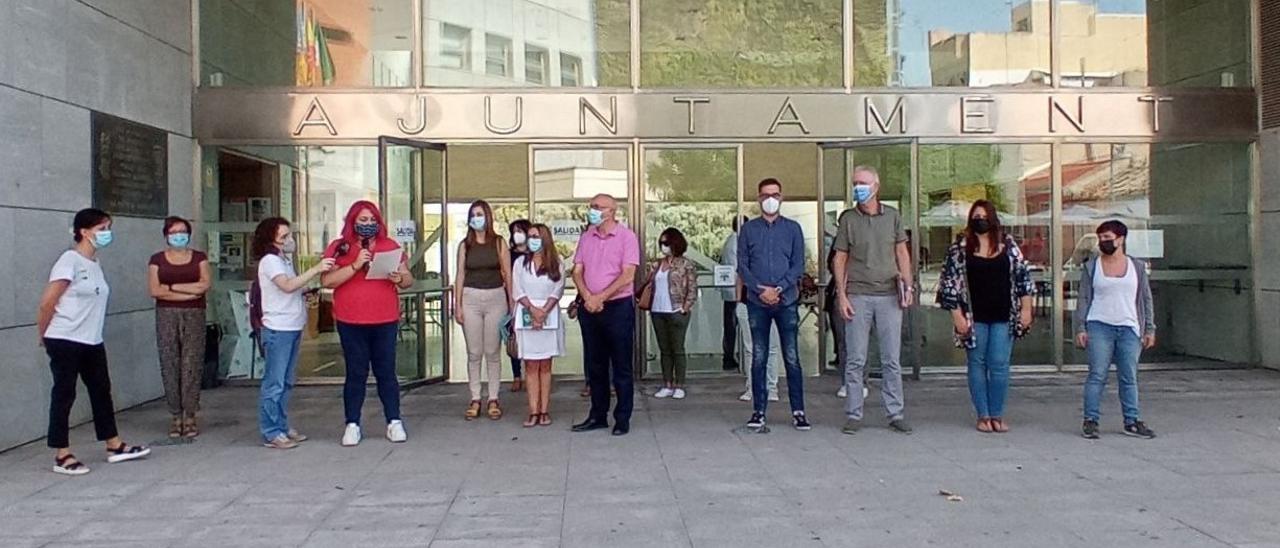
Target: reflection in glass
[925, 43]
[693, 191]
[1017, 179]
[741, 43]
[1186, 207]
[524, 42]
[307, 43]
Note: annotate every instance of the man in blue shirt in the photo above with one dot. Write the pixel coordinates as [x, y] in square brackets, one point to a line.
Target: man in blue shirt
[770, 263]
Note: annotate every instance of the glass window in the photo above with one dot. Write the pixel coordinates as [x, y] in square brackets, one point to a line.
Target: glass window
[741, 43]
[596, 35]
[1187, 210]
[1017, 180]
[924, 43]
[455, 47]
[570, 70]
[536, 64]
[497, 55]
[308, 43]
[1138, 43]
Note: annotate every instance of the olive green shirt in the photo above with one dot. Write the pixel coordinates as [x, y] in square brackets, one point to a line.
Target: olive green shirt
[871, 240]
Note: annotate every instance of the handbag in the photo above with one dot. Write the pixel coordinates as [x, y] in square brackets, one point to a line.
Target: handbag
[509, 335]
[644, 299]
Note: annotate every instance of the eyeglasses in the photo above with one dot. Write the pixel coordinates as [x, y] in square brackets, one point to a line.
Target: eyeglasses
[777, 195]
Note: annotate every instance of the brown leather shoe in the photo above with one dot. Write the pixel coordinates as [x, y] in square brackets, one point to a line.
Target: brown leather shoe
[517, 385]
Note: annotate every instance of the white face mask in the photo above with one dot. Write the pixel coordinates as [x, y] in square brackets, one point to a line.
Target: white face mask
[518, 238]
[666, 250]
[770, 206]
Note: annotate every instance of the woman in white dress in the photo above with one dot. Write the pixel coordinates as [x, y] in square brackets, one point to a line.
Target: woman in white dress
[537, 286]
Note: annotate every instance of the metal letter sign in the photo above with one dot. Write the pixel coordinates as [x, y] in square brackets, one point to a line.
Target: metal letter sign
[265, 116]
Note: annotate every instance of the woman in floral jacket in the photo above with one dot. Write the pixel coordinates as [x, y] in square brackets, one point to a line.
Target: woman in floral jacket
[674, 285]
[987, 287]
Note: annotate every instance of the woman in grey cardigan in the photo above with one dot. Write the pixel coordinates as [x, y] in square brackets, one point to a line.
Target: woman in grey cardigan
[1114, 322]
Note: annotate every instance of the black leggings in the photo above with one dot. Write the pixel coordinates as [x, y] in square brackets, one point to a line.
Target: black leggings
[68, 359]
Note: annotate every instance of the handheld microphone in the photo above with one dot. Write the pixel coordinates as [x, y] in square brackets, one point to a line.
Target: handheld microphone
[341, 250]
[364, 244]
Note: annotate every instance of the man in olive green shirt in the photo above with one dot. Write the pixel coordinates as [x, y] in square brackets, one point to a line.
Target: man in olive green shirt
[873, 273]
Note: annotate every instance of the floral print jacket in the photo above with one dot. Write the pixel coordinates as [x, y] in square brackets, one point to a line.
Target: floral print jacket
[683, 282]
[953, 288]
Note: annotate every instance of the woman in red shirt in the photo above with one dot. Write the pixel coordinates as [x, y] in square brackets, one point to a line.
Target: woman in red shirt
[367, 313]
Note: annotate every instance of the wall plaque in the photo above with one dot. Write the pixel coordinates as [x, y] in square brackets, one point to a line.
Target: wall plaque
[130, 167]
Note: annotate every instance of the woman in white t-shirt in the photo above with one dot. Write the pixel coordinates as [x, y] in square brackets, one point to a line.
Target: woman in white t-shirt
[284, 315]
[537, 285]
[69, 320]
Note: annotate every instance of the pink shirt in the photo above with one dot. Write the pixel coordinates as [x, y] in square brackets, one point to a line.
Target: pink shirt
[603, 256]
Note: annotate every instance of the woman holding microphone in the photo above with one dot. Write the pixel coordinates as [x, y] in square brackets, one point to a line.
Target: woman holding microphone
[367, 312]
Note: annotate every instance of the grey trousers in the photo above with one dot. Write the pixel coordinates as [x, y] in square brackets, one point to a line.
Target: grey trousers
[885, 315]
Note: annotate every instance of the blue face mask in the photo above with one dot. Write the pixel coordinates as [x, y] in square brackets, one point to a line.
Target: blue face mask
[366, 230]
[595, 216]
[535, 244]
[180, 240]
[477, 223]
[102, 238]
[861, 193]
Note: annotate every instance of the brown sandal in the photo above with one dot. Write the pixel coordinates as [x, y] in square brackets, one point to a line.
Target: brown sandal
[984, 425]
[473, 410]
[544, 420]
[175, 427]
[517, 385]
[495, 410]
[998, 426]
[191, 427]
[532, 421]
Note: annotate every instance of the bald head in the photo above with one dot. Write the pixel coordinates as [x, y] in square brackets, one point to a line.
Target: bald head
[606, 204]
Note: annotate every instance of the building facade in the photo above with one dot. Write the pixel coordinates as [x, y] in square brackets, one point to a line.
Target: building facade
[1064, 113]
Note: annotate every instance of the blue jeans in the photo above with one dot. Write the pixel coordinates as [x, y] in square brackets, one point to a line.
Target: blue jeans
[1112, 344]
[762, 319]
[362, 346]
[607, 342]
[281, 351]
[989, 368]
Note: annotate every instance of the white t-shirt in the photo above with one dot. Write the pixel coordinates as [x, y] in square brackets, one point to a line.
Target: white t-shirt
[280, 311]
[82, 310]
[1115, 300]
[662, 293]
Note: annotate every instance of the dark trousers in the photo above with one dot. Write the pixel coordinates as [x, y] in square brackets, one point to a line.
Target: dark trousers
[515, 367]
[362, 346]
[607, 338]
[729, 338]
[67, 360]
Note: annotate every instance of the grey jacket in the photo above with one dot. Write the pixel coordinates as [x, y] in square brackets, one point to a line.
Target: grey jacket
[1146, 311]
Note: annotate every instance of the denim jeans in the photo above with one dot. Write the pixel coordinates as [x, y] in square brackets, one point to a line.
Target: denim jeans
[281, 351]
[607, 340]
[1110, 344]
[363, 346]
[748, 350]
[787, 320]
[884, 313]
[989, 368]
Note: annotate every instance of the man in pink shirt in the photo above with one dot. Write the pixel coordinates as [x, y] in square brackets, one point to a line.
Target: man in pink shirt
[604, 273]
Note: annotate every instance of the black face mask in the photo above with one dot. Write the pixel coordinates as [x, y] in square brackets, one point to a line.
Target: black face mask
[1107, 246]
[980, 226]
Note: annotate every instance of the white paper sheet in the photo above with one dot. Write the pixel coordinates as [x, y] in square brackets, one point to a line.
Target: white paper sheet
[383, 264]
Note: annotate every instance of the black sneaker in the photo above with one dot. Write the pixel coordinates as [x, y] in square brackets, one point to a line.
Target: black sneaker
[801, 423]
[1139, 430]
[757, 421]
[1089, 430]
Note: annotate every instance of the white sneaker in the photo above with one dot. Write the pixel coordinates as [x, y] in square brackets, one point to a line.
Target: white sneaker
[773, 395]
[664, 393]
[395, 432]
[843, 392]
[678, 394]
[351, 437]
[865, 392]
[746, 396]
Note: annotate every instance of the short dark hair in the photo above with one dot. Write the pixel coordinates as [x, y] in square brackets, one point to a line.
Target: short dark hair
[1113, 226]
[175, 220]
[767, 182]
[520, 225]
[264, 237]
[675, 240]
[739, 221]
[86, 219]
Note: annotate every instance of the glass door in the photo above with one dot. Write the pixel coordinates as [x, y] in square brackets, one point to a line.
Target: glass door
[411, 187]
[894, 160]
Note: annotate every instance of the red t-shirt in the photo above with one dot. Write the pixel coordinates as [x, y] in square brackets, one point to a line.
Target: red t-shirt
[363, 301]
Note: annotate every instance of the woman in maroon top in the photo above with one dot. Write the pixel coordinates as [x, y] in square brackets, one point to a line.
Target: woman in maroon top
[178, 279]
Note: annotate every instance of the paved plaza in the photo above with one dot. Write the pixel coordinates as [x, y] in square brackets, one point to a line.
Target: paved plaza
[687, 475]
